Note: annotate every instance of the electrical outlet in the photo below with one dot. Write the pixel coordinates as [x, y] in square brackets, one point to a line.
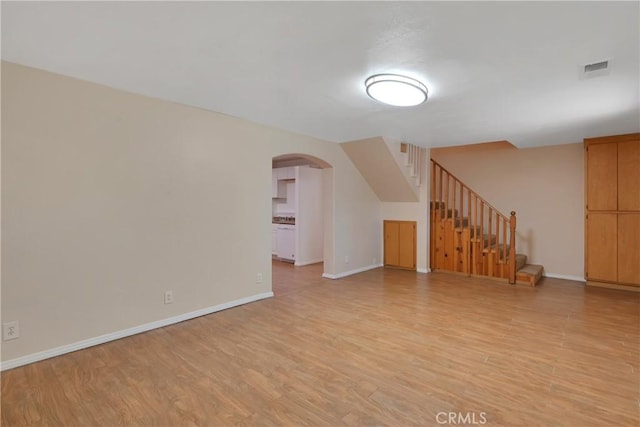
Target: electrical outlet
[259, 278]
[10, 330]
[375, 260]
[168, 297]
[346, 259]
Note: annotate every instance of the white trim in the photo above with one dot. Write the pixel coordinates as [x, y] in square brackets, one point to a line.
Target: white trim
[423, 270]
[302, 264]
[350, 272]
[564, 277]
[57, 351]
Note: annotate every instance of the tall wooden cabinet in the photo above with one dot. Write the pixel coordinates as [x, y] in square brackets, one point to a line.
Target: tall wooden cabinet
[612, 219]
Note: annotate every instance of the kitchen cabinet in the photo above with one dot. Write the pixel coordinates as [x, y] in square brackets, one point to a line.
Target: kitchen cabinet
[287, 205]
[280, 178]
[612, 217]
[286, 173]
[286, 242]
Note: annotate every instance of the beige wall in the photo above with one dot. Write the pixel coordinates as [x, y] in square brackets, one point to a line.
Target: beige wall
[110, 198]
[544, 185]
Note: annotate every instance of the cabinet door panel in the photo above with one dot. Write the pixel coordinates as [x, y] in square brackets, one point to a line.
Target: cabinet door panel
[391, 243]
[602, 247]
[406, 245]
[286, 242]
[629, 248]
[629, 176]
[602, 188]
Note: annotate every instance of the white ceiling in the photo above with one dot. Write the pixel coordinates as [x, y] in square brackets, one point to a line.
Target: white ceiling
[500, 70]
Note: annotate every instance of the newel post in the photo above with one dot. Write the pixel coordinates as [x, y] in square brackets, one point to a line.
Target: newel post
[512, 248]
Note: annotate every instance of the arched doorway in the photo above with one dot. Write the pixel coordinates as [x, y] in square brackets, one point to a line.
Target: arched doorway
[302, 212]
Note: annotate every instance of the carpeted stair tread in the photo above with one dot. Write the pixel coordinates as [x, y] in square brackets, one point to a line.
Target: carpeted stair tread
[531, 269]
[529, 274]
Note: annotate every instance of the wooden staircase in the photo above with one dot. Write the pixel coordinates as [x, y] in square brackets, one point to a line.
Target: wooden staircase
[471, 237]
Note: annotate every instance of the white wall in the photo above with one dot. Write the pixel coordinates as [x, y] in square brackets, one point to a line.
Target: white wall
[110, 198]
[309, 216]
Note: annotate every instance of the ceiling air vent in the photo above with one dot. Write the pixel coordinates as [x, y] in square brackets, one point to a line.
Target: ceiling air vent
[595, 69]
[596, 66]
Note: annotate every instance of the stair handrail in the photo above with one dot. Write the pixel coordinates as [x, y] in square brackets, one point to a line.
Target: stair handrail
[510, 220]
[475, 193]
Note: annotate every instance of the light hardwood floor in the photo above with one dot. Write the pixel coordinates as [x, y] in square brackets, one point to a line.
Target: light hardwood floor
[384, 347]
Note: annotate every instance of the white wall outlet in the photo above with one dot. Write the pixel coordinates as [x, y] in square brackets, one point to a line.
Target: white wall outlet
[10, 330]
[168, 297]
[346, 259]
[259, 278]
[375, 261]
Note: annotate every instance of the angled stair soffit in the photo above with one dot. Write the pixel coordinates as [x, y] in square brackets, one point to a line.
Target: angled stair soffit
[373, 158]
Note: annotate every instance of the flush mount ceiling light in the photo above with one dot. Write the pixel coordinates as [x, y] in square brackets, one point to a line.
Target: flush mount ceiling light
[396, 90]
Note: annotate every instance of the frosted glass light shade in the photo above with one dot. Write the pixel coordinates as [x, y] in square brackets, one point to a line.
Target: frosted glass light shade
[396, 90]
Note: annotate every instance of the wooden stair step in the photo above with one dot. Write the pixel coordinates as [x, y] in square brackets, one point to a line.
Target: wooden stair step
[485, 240]
[521, 261]
[530, 274]
[494, 248]
[465, 223]
[449, 213]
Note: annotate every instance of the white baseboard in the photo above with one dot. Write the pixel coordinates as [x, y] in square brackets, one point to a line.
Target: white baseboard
[565, 277]
[423, 270]
[350, 272]
[302, 264]
[46, 354]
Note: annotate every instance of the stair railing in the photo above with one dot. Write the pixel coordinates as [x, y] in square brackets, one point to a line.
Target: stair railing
[486, 240]
[413, 160]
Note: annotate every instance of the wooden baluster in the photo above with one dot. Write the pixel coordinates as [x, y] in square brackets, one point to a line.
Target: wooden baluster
[461, 203]
[482, 222]
[439, 255]
[434, 189]
[504, 268]
[498, 244]
[440, 198]
[490, 223]
[474, 267]
[444, 224]
[446, 192]
[490, 255]
[469, 244]
[512, 249]
[482, 236]
[461, 234]
[454, 234]
[453, 212]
